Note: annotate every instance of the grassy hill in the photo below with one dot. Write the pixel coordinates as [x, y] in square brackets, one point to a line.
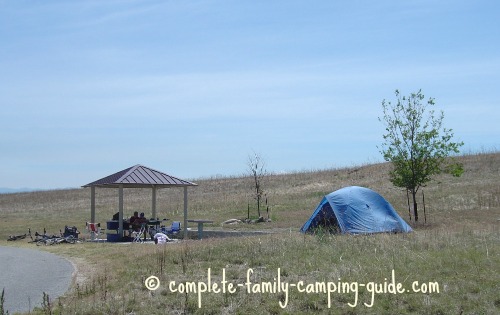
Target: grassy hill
[457, 248]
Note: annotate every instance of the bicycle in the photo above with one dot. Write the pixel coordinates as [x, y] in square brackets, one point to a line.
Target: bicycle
[17, 237]
[44, 239]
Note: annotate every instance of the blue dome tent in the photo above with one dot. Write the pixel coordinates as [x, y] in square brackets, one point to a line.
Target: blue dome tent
[355, 210]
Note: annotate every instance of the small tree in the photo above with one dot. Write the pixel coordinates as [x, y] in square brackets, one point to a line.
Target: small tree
[256, 169]
[416, 143]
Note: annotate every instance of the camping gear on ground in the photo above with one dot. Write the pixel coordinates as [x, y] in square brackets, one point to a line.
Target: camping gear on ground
[71, 230]
[173, 229]
[355, 210]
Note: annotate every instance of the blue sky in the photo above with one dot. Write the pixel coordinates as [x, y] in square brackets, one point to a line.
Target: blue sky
[192, 88]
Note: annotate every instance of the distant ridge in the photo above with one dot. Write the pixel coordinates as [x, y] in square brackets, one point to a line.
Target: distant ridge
[4, 190]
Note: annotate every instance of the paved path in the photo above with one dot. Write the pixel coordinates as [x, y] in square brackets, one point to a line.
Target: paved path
[26, 273]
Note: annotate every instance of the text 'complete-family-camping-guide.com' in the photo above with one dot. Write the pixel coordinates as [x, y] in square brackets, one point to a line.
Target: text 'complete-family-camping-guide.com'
[278, 286]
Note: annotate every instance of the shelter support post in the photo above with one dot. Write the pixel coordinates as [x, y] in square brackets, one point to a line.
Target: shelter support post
[153, 203]
[120, 210]
[92, 204]
[185, 212]
[92, 208]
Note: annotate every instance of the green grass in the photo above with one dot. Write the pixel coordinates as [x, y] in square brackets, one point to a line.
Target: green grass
[458, 248]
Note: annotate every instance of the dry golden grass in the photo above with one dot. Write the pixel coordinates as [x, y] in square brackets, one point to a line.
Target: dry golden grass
[291, 197]
[458, 246]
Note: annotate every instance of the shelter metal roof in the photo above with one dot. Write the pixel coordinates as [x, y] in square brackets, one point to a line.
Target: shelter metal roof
[139, 176]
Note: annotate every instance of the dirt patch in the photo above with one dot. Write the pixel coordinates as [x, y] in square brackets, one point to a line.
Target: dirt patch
[219, 234]
[83, 270]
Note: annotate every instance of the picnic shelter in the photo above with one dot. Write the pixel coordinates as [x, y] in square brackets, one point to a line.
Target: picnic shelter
[138, 176]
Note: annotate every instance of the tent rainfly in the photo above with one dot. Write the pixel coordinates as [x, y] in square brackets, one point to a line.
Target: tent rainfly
[355, 210]
[138, 176]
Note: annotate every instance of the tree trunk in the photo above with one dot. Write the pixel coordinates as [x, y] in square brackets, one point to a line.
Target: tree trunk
[408, 199]
[415, 211]
[258, 205]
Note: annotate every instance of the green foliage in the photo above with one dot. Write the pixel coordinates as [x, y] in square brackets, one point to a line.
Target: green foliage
[416, 142]
[2, 301]
[46, 305]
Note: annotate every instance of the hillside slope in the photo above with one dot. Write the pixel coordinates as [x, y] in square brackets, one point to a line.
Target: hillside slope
[291, 198]
[456, 250]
